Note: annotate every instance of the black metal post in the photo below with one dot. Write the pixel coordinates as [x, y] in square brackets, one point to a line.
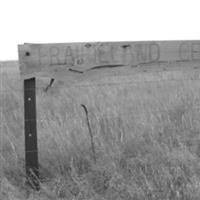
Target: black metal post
[30, 122]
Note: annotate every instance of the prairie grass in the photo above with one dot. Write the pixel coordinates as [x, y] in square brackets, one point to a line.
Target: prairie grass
[146, 137]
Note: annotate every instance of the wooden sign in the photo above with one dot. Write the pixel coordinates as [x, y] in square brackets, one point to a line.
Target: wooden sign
[80, 59]
[85, 60]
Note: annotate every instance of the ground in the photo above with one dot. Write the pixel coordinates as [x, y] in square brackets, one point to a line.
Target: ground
[146, 131]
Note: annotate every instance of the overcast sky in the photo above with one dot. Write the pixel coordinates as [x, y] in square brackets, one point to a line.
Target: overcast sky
[46, 21]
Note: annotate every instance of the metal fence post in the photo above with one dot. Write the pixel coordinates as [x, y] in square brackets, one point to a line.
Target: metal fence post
[30, 129]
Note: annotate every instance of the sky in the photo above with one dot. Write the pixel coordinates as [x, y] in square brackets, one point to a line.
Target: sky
[62, 21]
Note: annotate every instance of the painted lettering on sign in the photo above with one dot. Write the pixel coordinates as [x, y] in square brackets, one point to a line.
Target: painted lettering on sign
[101, 54]
[189, 51]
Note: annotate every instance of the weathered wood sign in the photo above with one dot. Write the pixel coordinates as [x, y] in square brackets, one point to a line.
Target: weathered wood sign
[79, 59]
[84, 60]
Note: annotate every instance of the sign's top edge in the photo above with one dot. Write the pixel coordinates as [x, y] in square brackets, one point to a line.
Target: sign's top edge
[111, 42]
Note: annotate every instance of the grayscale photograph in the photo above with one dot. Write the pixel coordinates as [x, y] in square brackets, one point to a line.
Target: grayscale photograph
[99, 100]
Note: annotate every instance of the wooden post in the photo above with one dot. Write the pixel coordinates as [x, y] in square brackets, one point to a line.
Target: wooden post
[30, 122]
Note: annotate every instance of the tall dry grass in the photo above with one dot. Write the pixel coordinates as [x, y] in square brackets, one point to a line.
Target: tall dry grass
[146, 138]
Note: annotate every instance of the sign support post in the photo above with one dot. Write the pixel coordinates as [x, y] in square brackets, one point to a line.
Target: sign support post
[30, 122]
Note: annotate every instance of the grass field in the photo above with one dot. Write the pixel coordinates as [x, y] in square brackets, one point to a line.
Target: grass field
[146, 138]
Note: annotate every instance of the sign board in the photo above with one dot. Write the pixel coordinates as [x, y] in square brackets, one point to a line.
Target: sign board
[85, 60]
[80, 59]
